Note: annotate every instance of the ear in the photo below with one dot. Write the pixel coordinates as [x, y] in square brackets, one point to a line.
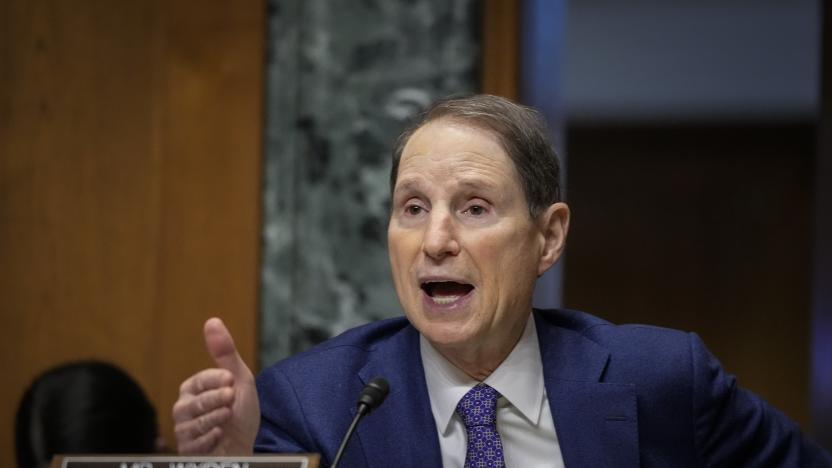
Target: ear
[554, 225]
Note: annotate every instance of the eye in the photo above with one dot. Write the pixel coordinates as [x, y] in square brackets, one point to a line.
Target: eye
[476, 210]
[413, 210]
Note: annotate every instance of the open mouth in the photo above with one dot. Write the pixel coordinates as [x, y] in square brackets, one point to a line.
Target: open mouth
[446, 292]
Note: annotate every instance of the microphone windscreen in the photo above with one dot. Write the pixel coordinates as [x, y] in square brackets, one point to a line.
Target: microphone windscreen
[374, 393]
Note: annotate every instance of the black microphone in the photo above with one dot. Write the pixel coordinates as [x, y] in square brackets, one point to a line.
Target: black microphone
[371, 397]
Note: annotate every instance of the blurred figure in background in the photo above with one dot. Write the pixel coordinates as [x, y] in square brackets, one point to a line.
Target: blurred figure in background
[83, 408]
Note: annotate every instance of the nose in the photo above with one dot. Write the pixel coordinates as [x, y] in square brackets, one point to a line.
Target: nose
[440, 238]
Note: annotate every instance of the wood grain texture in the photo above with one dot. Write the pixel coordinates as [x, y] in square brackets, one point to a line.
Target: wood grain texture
[130, 152]
[500, 72]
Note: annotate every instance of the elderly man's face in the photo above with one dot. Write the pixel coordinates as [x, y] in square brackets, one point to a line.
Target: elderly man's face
[464, 251]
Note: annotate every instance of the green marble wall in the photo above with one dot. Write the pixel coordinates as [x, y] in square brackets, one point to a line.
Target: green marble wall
[343, 78]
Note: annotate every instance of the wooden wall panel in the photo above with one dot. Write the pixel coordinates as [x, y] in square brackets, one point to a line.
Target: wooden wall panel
[500, 68]
[130, 148]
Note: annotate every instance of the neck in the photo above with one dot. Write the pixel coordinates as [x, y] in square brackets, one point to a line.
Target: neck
[478, 361]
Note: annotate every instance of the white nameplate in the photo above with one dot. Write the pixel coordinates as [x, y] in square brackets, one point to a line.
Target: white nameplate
[178, 461]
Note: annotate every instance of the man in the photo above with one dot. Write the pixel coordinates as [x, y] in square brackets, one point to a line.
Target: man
[477, 377]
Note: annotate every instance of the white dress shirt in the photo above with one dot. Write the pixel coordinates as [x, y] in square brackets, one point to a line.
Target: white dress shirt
[524, 420]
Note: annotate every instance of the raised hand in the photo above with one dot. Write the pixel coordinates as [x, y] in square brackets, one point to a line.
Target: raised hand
[217, 412]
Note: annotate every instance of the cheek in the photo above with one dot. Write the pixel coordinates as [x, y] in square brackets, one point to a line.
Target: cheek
[403, 249]
[509, 257]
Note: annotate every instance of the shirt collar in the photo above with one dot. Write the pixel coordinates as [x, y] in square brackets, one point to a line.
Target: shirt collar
[519, 379]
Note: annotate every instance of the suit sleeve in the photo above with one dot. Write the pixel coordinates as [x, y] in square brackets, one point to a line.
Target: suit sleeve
[283, 425]
[733, 427]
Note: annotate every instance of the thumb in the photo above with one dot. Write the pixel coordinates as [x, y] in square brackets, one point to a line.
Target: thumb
[220, 346]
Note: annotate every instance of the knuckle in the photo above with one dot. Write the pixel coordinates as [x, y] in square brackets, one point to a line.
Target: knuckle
[208, 441]
[226, 396]
[182, 434]
[200, 405]
[199, 385]
[194, 445]
[216, 436]
[218, 398]
[210, 401]
[201, 424]
[179, 409]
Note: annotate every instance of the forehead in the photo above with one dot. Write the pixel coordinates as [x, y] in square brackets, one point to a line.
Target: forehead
[445, 148]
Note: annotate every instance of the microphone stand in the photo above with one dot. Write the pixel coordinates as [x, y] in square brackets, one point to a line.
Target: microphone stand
[362, 410]
[371, 397]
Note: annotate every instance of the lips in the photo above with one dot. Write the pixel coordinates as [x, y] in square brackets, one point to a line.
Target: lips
[446, 293]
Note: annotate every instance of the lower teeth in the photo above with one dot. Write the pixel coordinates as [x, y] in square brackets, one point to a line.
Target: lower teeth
[445, 299]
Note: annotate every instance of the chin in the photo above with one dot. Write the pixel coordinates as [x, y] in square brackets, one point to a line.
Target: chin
[446, 334]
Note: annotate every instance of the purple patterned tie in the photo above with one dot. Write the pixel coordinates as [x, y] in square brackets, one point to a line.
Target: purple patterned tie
[478, 409]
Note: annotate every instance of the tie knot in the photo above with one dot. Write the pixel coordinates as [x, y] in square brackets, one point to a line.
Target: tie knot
[479, 406]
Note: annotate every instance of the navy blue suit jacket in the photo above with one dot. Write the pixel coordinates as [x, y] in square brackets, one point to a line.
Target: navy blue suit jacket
[620, 396]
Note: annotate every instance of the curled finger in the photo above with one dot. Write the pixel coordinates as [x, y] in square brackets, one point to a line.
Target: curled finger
[207, 379]
[203, 444]
[193, 406]
[194, 428]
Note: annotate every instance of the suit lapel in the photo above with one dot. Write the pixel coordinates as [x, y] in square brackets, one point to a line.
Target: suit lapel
[401, 432]
[596, 422]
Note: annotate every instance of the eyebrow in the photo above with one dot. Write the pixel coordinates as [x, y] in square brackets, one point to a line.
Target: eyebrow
[406, 185]
[470, 184]
[476, 184]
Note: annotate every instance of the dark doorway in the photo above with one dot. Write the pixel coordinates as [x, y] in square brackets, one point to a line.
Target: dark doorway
[704, 228]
